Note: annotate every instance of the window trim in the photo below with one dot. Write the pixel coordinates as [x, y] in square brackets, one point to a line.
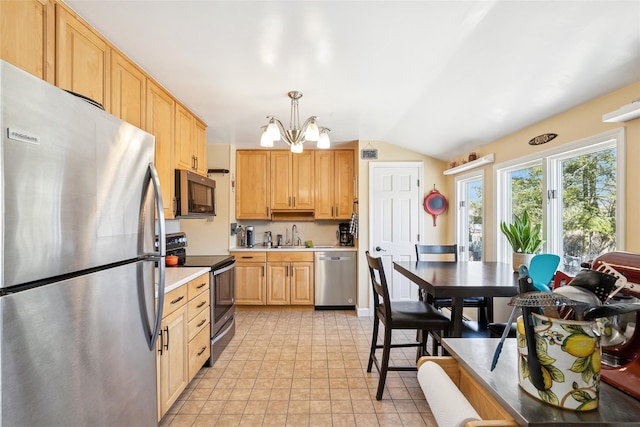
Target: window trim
[545, 159]
[461, 180]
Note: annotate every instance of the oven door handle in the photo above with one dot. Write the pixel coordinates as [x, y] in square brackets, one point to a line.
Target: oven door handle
[225, 269]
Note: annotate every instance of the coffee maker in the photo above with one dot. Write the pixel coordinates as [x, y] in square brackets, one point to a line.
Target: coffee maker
[250, 236]
[345, 238]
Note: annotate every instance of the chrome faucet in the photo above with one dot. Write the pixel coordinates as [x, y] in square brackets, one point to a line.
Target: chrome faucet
[294, 231]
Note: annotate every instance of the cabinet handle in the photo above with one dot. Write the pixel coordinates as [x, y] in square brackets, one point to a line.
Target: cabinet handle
[201, 323]
[289, 203]
[196, 168]
[294, 201]
[166, 346]
[202, 285]
[161, 336]
[331, 210]
[177, 300]
[247, 257]
[202, 351]
[337, 214]
[201, 304]
[263, 271]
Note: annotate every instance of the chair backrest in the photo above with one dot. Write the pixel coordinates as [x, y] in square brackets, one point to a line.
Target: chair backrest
[541, 270]
[379, 283]
[450, 250]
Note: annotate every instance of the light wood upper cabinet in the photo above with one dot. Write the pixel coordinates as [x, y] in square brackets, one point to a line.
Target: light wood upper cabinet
[253, 195]
[160, 108]
[190, 142]
[128, 90]
[183, 154]
[334, 184]
[82, 58]
[292, 178]
[200, 146]
[27, 39]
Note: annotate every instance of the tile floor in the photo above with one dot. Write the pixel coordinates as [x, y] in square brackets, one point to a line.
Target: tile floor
[301, 368]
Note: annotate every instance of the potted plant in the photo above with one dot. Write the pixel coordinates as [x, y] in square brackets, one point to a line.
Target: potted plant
[523, 237]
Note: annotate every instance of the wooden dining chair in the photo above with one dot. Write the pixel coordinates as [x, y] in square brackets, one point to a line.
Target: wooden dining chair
[450, 253]
[418, 315]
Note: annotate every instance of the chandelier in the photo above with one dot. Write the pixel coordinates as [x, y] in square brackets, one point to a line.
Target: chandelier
[295, 136]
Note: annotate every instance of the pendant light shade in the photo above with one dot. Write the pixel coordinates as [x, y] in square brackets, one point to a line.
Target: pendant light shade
[295, 135]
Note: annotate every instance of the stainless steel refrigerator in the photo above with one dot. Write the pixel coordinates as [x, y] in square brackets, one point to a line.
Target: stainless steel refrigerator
[79, 318]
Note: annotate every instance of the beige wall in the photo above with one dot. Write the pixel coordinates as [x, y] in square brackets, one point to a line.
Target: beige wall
[572, 125]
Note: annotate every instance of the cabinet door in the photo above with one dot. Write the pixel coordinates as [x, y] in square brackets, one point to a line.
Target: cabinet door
[173, 362]
[302, 283]
[281, 180]
[82, 58]
[278, 279]
[183, 154]
[159, 122]
[253, 185]
[324, 184]
[344, 184]
[302, 180]
[200, 147]
[32, 50]
[128, 90]
[250, 283]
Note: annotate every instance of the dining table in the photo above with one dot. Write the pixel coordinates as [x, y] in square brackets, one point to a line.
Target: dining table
[459, 280]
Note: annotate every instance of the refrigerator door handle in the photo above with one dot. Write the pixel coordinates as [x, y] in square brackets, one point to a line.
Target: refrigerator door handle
[162, 249]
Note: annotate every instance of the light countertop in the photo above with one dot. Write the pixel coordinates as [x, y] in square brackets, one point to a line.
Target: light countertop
[260, 248]
[178, 276]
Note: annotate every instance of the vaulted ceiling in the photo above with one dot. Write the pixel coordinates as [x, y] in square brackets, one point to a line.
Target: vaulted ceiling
[436, 77]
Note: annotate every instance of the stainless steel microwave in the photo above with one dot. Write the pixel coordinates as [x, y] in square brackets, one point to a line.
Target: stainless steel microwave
[195, 195]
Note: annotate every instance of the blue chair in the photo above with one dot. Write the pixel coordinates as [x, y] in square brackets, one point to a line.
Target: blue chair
[541, 270]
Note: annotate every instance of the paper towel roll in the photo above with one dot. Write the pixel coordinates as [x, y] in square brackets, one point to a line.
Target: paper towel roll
[449, 406]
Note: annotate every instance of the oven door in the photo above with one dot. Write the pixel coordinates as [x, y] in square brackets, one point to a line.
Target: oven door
[223, 295]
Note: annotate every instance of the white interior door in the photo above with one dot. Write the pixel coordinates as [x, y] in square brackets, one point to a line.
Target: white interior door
[396, 221]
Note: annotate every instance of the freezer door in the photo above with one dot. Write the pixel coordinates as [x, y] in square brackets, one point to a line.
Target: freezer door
[74, 181]
[76, 353]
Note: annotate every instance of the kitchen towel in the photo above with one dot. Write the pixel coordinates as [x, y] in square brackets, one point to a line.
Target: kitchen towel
[449, 406]
[353, 224]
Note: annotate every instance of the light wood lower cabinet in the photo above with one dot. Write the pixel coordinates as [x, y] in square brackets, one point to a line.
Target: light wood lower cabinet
[183, 346]
[290, 278]
[250, 278]
[172, 363]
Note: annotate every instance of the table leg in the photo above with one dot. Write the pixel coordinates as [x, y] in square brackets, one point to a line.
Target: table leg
[456, 316]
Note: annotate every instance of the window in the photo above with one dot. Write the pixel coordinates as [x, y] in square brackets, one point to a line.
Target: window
[572, 191]
[469, 189]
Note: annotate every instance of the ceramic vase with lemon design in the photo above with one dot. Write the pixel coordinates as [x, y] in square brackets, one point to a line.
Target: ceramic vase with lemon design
[569, 352]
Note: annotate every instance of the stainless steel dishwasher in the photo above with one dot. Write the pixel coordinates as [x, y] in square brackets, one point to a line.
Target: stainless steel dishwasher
[335, 280]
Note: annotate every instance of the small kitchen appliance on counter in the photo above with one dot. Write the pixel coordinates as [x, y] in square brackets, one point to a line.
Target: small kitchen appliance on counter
[222, 283]
[621, 362]
[250, 236]
[345, 238]
[268, 239]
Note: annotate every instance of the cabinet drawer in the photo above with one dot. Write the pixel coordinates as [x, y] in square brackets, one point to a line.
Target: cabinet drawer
[250, 256]
[198, 323]
[199, 352]
[199, 303]
[198, 285]
[174, 300]
[289, 256]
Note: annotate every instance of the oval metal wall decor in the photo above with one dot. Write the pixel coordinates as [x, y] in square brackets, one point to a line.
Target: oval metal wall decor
[542, 139]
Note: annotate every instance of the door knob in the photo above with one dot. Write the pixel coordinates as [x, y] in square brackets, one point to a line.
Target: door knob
[379, 249]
